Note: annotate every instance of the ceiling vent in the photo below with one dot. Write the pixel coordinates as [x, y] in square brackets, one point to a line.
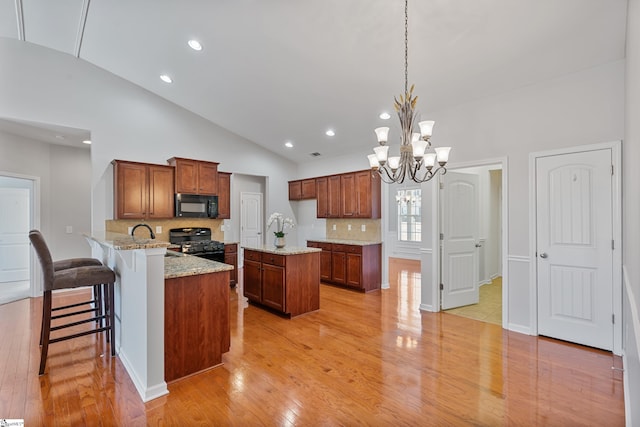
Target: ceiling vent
[315, 154]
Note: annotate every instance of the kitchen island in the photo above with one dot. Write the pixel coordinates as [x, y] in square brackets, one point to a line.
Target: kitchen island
[286, 280]
[140, 302]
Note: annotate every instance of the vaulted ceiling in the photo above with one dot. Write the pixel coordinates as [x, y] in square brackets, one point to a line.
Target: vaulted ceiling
[288, 70]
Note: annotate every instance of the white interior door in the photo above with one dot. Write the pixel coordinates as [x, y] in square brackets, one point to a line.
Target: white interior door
[251, 219]
[15, 222]
[574, 247]
[459, 227]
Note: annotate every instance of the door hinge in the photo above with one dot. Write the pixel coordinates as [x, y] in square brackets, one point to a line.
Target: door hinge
[612, 170]
[441, 286]
[613, 246]
[442, 185]
[441, 236]
[613, 318]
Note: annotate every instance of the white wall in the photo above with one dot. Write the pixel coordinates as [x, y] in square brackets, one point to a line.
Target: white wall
[65, 196]
[126, 122]
[578, 109]
[631, 217]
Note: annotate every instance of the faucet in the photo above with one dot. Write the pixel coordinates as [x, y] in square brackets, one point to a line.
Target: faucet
[153, 236]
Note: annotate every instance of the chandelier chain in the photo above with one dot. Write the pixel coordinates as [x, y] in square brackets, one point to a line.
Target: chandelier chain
[406, 46]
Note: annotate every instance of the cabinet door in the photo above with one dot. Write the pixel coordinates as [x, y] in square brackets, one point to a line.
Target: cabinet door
[231, 258]
[161, 196]
[295, 190]
[186, 176]
[131, 190]
[273, 286]
[308, 188]
[252, 280]
[338, 267]
[325, 265]
[322, 193]
[224, 195]
[348, 195]
[334, 196]
[367, 188]
[354, 270]
[208, 178]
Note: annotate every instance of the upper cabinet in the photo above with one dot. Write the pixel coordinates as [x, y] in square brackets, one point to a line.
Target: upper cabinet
[195, 176]
[349, 195]
[143, 191]
[224, 195]
[302, 189]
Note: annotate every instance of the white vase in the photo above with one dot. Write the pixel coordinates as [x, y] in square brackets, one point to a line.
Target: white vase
[280, 242]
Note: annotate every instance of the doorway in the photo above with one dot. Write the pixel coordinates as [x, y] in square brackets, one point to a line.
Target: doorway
[17, 213]
[251, 220]
[471, 243]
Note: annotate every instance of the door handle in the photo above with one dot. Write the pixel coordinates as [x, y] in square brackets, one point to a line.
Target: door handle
[478, 245]
[543, 255]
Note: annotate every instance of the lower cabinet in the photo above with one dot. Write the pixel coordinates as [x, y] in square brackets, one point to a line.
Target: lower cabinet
[352, 266]
[289, 284]
[231, 258]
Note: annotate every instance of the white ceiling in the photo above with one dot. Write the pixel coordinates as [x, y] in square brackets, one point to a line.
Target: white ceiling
[280, 70]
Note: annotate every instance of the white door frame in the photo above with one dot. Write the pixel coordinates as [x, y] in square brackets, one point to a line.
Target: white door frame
[616, 157]
[435, 225]
[35, 273]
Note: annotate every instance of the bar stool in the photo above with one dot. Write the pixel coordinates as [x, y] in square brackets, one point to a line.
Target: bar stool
[85, 273]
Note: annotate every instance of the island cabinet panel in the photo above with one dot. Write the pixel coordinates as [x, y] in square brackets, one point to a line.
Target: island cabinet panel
[224, 195]
[196, 323]
[231, 258]
[195, 176]
[143, 191]
[352, 266]
[289, 283]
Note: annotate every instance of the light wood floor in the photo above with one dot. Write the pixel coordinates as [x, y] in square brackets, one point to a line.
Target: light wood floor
[362, 359]
[489, 309]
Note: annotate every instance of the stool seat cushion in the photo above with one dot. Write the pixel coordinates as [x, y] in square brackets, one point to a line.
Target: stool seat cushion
[82, 276]
[74, 262]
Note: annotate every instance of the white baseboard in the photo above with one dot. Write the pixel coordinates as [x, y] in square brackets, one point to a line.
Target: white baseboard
[519, 328]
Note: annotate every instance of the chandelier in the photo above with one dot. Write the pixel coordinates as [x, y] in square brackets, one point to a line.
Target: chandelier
[413, 160]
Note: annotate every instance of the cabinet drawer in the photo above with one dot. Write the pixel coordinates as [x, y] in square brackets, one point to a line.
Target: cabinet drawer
[354, 249]
[273, 259]
[230, 248]
[323, 246]
[252, 255]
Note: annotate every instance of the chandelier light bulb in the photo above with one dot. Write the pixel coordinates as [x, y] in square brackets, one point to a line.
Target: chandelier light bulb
[419, 146]
[394, 163]
[443, 154]
[429, 160]
[383, 134]
[426, 128]
[373, 161]
[381, 154]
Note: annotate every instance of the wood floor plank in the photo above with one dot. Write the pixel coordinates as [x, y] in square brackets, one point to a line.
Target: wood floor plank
[362, 359]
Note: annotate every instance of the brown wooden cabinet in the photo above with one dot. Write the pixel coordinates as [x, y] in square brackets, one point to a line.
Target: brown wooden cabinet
[288, 283]
[231, 258]
[224, 195]
[353, 266]
[348, 199]
[195, 176]
[196, 328]
[143, 191]
[349, 195]
[303, 189]
[367, 194]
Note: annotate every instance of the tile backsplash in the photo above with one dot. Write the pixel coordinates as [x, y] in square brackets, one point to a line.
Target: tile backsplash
[122, 226]
[371, 231]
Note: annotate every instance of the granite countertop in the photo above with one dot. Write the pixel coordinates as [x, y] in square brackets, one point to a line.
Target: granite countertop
[287, 250]
[177, 264]
[124, 241]
[346, 242]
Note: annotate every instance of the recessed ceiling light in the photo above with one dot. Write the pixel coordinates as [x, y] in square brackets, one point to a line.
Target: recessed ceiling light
[87, 141]
[60, 137]
[288, 144]
[195, 45]
[330, 132]
[385, 116]
[165, 78]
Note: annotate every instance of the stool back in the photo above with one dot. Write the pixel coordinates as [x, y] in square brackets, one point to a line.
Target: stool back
[44, 255]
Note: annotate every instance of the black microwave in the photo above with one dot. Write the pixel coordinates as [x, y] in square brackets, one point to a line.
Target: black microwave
[196, 206]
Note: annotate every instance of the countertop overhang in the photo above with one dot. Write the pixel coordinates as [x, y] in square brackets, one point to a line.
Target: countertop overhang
[346, 242]
[287, 250]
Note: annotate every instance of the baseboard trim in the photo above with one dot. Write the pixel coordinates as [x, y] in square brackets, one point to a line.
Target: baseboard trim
[519, 328]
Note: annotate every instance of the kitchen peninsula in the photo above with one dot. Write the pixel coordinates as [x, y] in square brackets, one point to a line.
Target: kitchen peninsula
[141, 306]
[285, 279]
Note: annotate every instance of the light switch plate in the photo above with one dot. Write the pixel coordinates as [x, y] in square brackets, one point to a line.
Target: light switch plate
[158, 229]
[69, 229]
[364, 227]
[129, 230]
[334, 227]
[348, 227]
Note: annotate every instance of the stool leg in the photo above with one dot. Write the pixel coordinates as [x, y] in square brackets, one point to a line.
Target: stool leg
[97, 297]
[46, 330]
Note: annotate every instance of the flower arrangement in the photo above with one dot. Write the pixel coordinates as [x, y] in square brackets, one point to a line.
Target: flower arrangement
[281, 223]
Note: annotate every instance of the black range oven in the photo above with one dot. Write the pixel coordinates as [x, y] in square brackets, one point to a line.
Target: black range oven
[197, 242]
